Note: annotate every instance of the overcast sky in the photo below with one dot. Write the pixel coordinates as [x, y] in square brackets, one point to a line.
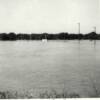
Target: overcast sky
[49, 15]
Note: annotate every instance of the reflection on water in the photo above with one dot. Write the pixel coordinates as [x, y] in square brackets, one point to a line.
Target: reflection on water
[50, 65]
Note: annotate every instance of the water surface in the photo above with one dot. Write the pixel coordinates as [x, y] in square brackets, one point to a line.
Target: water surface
[71, 65]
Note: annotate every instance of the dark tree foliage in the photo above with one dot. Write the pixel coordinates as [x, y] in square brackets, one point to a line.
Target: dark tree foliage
[4, 36]
[12, 36]
[80, 36]
[58, 36]
[91, 35]
[44, 35]
[63, 36]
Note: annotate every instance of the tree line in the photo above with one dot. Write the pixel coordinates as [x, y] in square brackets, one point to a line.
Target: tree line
[49, 36]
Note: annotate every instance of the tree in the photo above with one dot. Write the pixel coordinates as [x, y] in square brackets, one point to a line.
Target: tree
[12, 36]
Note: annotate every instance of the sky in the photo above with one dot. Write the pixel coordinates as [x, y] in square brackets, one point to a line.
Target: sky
[52, 16]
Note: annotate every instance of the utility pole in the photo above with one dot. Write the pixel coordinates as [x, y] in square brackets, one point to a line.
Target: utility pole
[94, 39]
[95, 29]
[79, 31]
[78, 28]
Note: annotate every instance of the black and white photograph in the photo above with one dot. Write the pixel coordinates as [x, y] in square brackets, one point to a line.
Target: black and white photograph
[49, 49]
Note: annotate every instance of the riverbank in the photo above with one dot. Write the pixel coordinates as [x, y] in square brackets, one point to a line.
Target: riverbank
[49, 36]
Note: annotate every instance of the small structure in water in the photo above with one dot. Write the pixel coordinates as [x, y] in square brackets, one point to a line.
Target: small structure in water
[44, 37]
[44, 40]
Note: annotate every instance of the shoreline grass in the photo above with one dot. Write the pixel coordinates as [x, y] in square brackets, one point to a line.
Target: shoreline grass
[44, 95]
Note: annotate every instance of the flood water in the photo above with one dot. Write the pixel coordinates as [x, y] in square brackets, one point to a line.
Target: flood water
[71, 65]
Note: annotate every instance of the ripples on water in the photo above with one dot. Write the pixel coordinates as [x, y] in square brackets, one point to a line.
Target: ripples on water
[40, 65]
